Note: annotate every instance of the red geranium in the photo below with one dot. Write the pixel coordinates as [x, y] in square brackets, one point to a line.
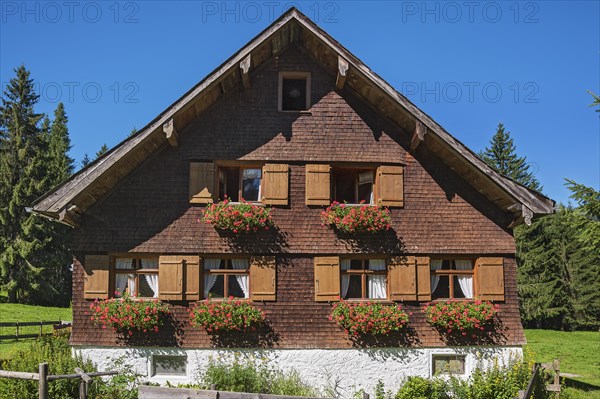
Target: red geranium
[368, 317]
[356, 219]
[238, 218]
[460, 316]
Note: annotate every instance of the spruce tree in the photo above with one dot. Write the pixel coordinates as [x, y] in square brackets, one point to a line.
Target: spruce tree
[22, 180]
[85, 161]
[101, 151]
[501, 156]
[59, 145]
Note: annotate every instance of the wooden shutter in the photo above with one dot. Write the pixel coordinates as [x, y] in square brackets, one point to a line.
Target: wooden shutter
[318, 184]
[327, 278]
[402, 278]
[192, 267]
[390, 185]
[423, 278]
[490, 278]
[262, 278]
[170, 277]
[275, 183]
[96, 280]
[202, 182]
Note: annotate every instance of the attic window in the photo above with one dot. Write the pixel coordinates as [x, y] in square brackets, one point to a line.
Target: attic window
[294, 91]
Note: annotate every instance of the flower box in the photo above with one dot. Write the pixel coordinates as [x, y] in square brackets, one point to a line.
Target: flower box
[126, 315]
[372, 318]
[226, 315]
[240, 217]
[356, 219]
[462, 317]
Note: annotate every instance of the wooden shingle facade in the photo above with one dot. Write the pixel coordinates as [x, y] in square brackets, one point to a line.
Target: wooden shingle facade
[143, 202]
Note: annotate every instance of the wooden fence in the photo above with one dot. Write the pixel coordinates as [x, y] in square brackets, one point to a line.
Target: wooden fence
[150, 392]
[554, 368]
[19, 325]
[43, 378]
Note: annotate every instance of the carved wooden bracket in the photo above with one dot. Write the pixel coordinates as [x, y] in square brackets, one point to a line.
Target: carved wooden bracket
[342, 73]
[171, 133]
[418, 134]
[245, 70]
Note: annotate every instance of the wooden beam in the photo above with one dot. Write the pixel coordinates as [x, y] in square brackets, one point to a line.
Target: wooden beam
[342, 73]
[171, 133]
[245, 70]
[418, 135]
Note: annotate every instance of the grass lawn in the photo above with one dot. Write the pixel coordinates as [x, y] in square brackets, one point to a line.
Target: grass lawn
[579, 353]
[10, 312]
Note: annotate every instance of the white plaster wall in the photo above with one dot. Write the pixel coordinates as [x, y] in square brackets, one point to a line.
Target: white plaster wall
[346, 370]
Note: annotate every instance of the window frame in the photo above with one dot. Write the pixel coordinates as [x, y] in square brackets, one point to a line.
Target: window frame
[357, 170]
[364, 273]
[223, 166]
[451, 273]
[137, 271]
[226, 273]
[152, 365]
[293, 75]
[448, 357]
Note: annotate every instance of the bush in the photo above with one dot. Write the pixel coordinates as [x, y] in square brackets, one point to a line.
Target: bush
[368, 318]
[421, 388]
[246, 375]
[57, 353]
[226, 315]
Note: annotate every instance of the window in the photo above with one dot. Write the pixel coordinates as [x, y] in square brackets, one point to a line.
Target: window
[451, 278]
[363, 279]
[237, 183]
[353, 186]
[136, 276]
[294, 91]
[168, 365]
[226, 277]
[448, 364]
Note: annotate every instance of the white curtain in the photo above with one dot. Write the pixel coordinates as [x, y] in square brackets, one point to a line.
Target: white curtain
[210, 279]
[124, 263]
[242, 279]
[377, 284]
[150, 263]
[131, 284]
[124, 281]
[345, 264]
[465, 282]
[436, 264]
[120, 282]
[152, 280]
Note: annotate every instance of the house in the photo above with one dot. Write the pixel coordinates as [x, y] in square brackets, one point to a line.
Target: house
[293, 120]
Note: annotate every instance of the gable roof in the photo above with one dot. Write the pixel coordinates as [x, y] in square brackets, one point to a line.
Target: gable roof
[67, 201]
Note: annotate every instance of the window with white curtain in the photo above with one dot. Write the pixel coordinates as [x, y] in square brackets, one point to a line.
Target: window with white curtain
[363, 278]
[451, 279]
[136, 276]
[224, 278]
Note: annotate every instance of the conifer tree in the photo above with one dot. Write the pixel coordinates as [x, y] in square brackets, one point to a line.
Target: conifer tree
[59, 145]
[22, 180]
[501, 155]
[101, 151]
[85, 161]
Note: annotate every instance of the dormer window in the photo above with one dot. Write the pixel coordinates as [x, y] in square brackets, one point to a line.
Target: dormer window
[294, 91]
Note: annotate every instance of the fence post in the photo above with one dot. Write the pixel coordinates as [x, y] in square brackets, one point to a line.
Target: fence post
[43, 380]
[17, 332]
[365, 395]
[41, 328]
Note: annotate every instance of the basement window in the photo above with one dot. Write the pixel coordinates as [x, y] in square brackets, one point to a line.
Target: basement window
[294, 91]
[448, 364]
[169, 365]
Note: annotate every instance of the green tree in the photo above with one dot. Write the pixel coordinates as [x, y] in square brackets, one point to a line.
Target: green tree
[596, 102]
[59, 145]
[501, 155]
[22, 180]
[133, 131]
[101, 151]
[85, 161]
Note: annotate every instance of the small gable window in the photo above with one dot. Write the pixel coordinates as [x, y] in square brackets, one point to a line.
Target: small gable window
[353, 186]
[238, 184]
[294, 91]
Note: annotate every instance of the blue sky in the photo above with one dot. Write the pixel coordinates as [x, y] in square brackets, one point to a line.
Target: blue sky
[468, 64]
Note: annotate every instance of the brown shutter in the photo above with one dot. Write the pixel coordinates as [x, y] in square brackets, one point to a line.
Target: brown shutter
[390, 185]
[202, 182]
[262, 278]
[402, 277]
[192, 278]
[96, 280]
[423, 278]
[490, 278]
[327, 278]
[170, 277]
[318, 184]
[275, 183]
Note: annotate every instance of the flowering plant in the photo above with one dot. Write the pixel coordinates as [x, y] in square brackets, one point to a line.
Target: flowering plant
[356, 219]
[238, 218]
[124, 315]
[368, 318]
[226, 315]
[460, 316]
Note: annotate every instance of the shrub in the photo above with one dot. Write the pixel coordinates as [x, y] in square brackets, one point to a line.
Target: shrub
[460, 316]
[245, 375]
[356, 219]
[126, 315]
[226, 315]
[368, 318]
[421, 388]
[238, 218]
